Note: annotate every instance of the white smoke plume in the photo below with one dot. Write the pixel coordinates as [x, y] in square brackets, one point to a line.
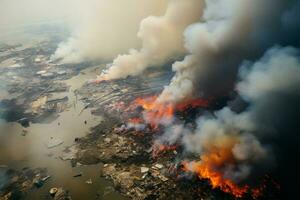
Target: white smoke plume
[162, 39]
[229, 32]
[103, 29]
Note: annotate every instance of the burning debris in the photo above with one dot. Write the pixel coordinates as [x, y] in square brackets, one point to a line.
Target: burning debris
[222, 125]
[147, 131]
[230, 53]
[156, 113]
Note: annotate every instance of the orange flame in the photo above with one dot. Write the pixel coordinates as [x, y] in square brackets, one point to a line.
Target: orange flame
[257, 192]
[267, 181]
[210, 167]
[158, 148]
[135, 120]
[157, 113]
[193, 103]
[100, 79]
[218, 155]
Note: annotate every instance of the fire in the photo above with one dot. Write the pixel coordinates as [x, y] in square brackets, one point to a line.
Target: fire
[193, 103]
[158, 148]
[135, 120]
[257, 192]
[266, 182]
[216, 179]
[218, 155]
[100, 79]
[136, 124]
[155, 113]
[162, 113]
[211, 167]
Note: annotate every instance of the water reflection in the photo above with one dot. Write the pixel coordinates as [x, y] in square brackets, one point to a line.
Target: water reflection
[27, 147]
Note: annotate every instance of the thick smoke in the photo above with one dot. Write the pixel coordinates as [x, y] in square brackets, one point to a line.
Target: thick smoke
[103, 29]
[162, 39]
[249, 142]
[230, 31]
[262, 137]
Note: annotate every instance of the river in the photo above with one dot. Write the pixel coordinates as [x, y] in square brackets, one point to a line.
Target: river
[18, 150]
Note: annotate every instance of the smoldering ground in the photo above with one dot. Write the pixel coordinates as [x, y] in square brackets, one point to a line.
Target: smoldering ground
[228, 47]
[263, 137]
[226, 35]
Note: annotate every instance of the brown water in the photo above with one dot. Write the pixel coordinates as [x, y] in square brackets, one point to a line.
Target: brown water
[18, 151]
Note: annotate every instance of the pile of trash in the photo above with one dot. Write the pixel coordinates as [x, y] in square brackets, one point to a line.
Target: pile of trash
[18, 183]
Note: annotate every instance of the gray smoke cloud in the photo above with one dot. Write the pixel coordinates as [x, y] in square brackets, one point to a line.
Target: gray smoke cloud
[162, 39]
[271, 87]
[229, 32]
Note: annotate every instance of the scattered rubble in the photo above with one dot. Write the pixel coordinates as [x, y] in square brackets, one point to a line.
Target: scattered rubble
[124, 149]
[53, 191]
[59, 194]
[24, 122]
[19, 183]
[157, 166]
[24, 132]
[32, 80]
[62, 194]
[39, 181]
[130, 181]
[69, 153]
[144, 170]
[128, 162]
